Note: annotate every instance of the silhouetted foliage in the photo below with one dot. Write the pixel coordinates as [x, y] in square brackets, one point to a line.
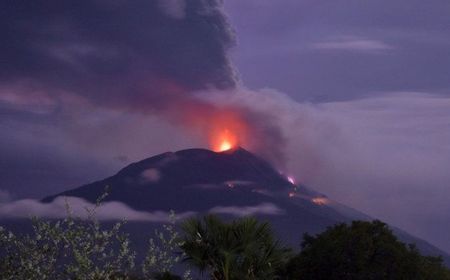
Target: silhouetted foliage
[70, 248]
[242, 249]
[362, 250]
[73, 248]
[164, 253]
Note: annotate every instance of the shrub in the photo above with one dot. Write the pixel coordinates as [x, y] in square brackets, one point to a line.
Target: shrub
[362, 250]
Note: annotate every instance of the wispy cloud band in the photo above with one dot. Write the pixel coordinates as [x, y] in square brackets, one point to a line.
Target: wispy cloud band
[353, 44]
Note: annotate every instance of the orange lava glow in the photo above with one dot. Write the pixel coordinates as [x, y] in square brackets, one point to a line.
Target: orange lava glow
[227, 131]
[320, 200]
[291, 180]
[225, 141]
[225, 146]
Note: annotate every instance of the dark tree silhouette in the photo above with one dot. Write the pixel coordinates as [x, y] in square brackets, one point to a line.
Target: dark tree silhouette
[362, 250]
[242, 249]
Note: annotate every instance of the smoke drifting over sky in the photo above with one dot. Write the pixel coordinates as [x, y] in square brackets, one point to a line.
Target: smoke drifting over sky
[148, 56]
[115, 52]
[88, 86]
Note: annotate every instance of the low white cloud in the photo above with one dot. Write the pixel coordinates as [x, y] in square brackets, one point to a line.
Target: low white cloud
[240, 211]
[112, 210]
[353, 44]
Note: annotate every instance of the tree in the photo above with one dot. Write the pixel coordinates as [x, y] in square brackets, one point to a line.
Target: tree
[164, 253]
[242, 249]
[66, 249]
[362, 250]
[75, 248]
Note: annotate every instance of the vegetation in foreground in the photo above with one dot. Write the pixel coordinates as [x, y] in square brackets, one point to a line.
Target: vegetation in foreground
[242, 249]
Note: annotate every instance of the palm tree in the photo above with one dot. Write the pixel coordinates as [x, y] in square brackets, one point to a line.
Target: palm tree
[242, 249]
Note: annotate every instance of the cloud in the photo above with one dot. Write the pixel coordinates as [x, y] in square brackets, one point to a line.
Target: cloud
[58, 209]
[117, 55]
[144, 55]
[114, 210]
[353, 44]
[386, 155]
[239, 211]
[147, 57]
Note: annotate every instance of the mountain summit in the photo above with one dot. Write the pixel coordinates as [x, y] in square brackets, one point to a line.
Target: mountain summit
[194, 178]
[232, 183]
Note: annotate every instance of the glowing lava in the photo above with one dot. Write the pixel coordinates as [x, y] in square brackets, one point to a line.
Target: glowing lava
[320, 200]
[291, 180]
[225, 146]
[227, 129]
[225, 141]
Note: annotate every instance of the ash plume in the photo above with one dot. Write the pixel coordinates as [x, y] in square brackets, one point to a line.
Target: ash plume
[147, 55]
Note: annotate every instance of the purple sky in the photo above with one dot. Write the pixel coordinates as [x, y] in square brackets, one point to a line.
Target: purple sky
[372, 82]
[358, 91]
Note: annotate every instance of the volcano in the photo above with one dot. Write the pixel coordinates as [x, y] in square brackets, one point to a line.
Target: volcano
[232, 183]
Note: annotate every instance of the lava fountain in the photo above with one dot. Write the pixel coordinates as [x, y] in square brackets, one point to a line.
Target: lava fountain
[226, 140]
[227, 131]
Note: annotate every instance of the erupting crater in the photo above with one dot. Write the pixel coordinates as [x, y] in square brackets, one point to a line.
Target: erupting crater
[224, 141]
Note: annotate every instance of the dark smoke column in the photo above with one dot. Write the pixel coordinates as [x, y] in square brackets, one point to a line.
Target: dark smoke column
[143, 56]
[117, 53]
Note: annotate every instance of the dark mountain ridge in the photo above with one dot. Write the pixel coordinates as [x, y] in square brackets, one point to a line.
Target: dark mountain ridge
[151, 184]
[228, 183]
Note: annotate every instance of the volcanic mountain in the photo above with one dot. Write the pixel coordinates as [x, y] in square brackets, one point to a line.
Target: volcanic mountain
[230, 183]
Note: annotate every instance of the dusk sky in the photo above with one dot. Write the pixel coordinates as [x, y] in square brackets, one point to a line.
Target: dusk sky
[352, 98]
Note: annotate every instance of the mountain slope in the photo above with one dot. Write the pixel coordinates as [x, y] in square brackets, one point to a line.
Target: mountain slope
[231, 183]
